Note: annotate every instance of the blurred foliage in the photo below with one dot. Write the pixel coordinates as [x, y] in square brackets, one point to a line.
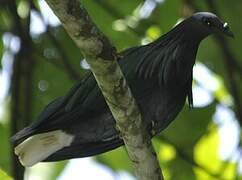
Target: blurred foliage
[190, 148]
[47, 171]
[4, 176]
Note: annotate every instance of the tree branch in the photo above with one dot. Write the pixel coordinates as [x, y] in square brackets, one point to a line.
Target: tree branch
[101, 57]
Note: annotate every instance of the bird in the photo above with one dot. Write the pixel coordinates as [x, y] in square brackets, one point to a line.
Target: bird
[159, 74]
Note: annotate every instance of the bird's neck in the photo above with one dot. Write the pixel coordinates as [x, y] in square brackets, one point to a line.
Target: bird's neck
[182, 33]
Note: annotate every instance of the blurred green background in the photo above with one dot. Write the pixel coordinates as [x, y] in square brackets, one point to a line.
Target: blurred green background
[40, 62]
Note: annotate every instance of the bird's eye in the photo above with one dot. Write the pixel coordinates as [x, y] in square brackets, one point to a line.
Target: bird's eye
[207, 22]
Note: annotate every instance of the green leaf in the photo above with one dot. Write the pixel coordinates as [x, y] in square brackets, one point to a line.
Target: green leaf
[184, 133]
[181, 170]
[70, 49]
[116, 159]
[46, 85]
[46, 171]
[5, 147]
[1, 51]
[189, 127]
[167, 14]
[206, 153]
[4, 176]
[101, 14]
[47, 75]
[5, 20]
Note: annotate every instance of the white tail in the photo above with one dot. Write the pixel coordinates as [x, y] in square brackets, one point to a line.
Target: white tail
[38, 147]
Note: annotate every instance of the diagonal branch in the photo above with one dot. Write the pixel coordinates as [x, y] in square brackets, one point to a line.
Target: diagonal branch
[101, 56]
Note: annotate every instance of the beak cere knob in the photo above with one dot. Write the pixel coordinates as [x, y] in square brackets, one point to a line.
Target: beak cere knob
[227, 30]
[226, 25]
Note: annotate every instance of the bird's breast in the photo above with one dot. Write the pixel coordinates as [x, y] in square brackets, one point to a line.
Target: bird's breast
[162, 107]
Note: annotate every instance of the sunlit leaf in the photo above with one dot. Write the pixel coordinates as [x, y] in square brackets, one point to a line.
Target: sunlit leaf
[153, 32]
[95, 9]
[189, 127]
[1, 52]
[51, 170]
[5, 147]
[206, 153]
[116, 159]
[165, 151]
[167, 14]
[4, 176]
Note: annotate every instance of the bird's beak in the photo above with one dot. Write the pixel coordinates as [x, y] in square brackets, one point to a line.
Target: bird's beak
[226, 30]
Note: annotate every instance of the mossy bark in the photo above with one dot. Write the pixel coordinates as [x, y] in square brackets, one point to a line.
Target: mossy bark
[101, 56]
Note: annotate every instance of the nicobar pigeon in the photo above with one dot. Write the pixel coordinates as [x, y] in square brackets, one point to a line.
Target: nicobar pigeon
[159, 74]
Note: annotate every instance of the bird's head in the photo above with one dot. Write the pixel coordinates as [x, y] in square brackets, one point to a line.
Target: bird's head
[208, 23]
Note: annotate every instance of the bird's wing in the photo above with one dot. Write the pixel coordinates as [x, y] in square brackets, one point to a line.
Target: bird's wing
[58, 109]
[158, 61]
[86, 95]
[84, 99]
